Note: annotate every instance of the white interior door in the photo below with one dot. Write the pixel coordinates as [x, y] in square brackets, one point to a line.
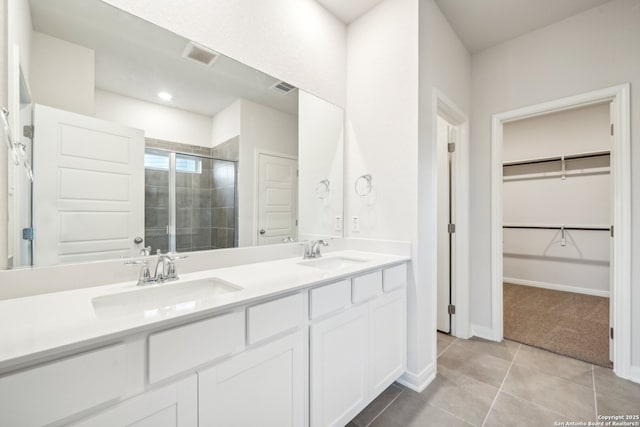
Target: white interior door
[277, 198]
[88, 190]
[445, 216]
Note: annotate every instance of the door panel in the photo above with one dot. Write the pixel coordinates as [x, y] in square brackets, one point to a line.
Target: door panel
[277, 198]
[88, 192]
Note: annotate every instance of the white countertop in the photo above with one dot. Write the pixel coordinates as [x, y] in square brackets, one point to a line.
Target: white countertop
[35, 328]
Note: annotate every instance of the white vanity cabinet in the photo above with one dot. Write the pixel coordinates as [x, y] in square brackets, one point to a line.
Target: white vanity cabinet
[174, 405]
[358, 352]
[265, 384]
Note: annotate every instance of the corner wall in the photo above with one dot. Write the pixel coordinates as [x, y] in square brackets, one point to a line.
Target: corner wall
[589, 51]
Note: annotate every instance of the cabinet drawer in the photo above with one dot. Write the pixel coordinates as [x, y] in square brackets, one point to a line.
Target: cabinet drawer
[48, 393]
[329, 298]
[394, 277]
[366, 287]
[273, 317]
[185, 347]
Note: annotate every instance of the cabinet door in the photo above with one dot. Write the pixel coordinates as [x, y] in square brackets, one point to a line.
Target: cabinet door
[262, 387]
[175, 405]
[388, 339]
[339, 381]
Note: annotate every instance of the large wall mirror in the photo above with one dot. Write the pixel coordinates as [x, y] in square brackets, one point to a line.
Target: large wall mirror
[143, 140]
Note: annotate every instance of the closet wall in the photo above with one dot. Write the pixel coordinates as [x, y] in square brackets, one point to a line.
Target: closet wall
[536, 194]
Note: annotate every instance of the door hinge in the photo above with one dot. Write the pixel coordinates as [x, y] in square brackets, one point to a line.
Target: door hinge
[611, 332]
[611, 129]
[451, 228]
[27, 233]
[611, 229]
[27, 131]
[451, 147]
[451, 309]
[296, 222]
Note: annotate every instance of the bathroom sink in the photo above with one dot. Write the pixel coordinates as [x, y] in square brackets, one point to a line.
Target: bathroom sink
[332, 263]
[163, 299]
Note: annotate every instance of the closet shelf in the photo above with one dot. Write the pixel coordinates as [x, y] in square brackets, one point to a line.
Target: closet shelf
[559, 227]
[557, 158]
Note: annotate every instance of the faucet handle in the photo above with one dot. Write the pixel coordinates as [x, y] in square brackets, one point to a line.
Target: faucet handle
[145, 275]
[146, 251]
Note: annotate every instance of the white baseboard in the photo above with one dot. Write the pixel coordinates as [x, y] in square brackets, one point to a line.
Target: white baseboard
[556, 287]
[418, 382]
[483, 332]
[634, 374]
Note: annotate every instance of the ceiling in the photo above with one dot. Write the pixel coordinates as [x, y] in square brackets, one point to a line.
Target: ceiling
[482, 23]
[138, 59]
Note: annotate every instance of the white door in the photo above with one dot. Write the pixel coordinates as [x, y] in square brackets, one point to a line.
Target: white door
[445, 216]
[388, 340]
[339, 367]
[175, 405]
[259, 387]
[612, 234]
[277, 198]
[88, 189]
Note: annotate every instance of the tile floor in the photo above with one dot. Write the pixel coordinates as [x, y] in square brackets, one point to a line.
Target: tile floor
[484, 383]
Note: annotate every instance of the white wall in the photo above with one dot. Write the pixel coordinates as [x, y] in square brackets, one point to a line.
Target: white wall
[226, 124]
[397, 54]
[321, 156]
[532, 194]
[592, 50]
[261, 129]
[62, 74]
[157, 121]
[3, 152]
[445, 67]
[294, 40]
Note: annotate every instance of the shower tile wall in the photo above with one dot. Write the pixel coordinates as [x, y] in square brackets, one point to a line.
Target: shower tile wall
[156, 209]
[223, 199]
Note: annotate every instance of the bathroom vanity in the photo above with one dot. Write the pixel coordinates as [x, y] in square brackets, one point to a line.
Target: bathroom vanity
[282, 343]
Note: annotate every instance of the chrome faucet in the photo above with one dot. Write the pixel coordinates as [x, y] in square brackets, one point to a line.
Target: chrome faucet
[312, 248]
[165, 270]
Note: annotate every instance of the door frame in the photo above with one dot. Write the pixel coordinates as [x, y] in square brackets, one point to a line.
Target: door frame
[447, 109]
[256, 188]
[620, 293]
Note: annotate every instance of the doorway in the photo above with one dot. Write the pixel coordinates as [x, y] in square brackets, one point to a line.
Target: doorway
[277, 194]
[618, 99]
[451, 216]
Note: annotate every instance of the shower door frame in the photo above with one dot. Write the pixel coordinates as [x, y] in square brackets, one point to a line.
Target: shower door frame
[172, 191]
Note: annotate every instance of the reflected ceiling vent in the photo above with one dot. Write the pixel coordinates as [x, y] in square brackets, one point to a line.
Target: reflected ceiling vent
[283, 88]
[200, 54]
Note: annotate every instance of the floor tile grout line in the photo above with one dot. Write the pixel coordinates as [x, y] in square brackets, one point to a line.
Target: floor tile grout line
[534, 404]
[486, 417]
[385, 408]
[447, 347]
[450, 413]
[595, 393]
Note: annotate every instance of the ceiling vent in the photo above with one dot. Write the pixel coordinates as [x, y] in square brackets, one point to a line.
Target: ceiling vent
[199, 54]
[283, 88]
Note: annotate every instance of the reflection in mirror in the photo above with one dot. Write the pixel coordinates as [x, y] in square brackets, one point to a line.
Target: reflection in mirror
[147, 141]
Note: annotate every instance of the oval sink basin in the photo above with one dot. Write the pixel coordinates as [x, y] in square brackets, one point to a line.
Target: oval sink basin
[163, 299]
[332, 263]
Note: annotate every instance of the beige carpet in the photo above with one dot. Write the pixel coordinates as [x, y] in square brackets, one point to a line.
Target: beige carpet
[566, 323]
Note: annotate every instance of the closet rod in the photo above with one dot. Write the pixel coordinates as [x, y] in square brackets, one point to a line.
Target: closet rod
[556, 159]
[557, 227]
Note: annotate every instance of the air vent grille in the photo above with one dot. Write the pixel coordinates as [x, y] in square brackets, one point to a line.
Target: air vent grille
[199, 54]
[283, 88]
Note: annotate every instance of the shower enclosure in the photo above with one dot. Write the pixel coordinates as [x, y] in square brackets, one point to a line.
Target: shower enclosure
[190, 202]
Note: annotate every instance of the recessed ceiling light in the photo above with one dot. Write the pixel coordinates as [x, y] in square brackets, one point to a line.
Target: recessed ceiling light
[165, 96]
